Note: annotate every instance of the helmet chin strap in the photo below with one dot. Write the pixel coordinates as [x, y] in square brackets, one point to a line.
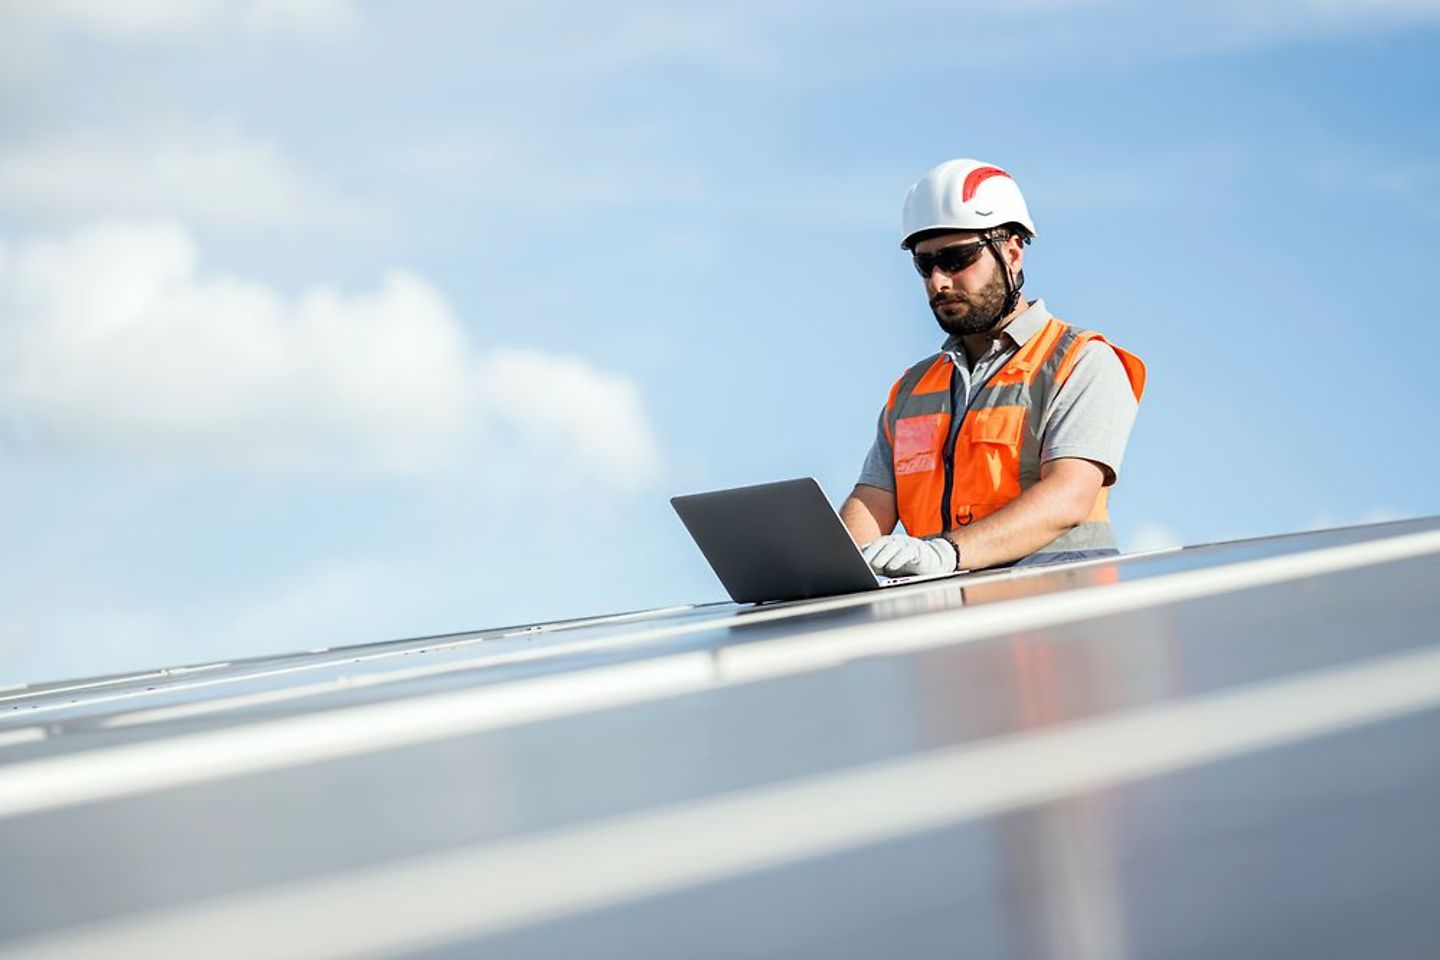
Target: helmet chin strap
[1012, 283]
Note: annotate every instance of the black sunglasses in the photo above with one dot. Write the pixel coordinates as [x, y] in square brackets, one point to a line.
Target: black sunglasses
[951, 259]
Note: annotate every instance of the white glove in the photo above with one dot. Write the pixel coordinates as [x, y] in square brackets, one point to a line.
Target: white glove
[900, 556]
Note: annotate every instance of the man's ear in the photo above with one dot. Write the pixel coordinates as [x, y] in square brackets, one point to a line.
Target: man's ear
[1014, 253]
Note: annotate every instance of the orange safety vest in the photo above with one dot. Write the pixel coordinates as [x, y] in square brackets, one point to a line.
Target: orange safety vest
[994, 452]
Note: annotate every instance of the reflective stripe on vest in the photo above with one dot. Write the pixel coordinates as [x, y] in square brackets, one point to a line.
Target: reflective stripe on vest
[997, 443]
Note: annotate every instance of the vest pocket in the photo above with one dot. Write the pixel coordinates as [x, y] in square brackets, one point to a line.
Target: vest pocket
[917, 443]
[987, 462]
[1002, 425]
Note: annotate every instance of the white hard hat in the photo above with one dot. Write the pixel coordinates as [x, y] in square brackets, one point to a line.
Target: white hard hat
[963, 195]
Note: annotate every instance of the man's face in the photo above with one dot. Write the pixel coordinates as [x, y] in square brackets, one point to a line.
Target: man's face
[965, 301]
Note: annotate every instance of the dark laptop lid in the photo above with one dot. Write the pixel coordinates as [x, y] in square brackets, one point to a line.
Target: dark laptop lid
[775, 541]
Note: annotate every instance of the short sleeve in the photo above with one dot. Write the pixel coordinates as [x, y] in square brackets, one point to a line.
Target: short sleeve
[879, 467]
[1092, 413]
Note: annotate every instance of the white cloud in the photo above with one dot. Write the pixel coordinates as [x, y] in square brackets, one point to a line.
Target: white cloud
[340, 602]
[212, 174]
[1154, 536]
[298, 16]
[1129, 32]
[561, 406]
[345, 601]
[112, 340]
[178, 20]
[36, 55]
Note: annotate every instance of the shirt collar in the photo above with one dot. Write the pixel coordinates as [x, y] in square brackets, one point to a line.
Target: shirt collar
[1019, 330]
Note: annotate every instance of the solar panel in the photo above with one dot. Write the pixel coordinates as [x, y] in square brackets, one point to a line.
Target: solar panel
[1219, 750]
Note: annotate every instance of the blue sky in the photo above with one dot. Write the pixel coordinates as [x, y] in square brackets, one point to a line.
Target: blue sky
[324, 322]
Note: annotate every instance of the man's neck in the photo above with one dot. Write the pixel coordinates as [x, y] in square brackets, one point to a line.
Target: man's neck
[978, 344]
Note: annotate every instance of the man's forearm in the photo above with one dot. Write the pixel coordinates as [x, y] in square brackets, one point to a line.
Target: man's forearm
[868, 512]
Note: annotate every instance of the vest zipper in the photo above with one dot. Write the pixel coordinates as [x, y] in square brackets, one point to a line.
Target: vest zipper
[955, 424]
[958, 413]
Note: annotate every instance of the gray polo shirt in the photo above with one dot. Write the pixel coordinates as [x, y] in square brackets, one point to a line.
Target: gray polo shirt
[1090, 417]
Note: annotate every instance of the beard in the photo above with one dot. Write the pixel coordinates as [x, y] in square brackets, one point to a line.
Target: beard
[981, 312]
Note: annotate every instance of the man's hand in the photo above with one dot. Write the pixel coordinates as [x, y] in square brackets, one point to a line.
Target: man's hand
[900, 556]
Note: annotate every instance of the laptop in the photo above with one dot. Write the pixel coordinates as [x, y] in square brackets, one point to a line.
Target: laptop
[779, 541]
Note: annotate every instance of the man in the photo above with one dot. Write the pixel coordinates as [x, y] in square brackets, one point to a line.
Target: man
[1002, 447]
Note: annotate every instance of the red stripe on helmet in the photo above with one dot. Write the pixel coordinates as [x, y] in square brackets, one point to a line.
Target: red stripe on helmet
[978, 176]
